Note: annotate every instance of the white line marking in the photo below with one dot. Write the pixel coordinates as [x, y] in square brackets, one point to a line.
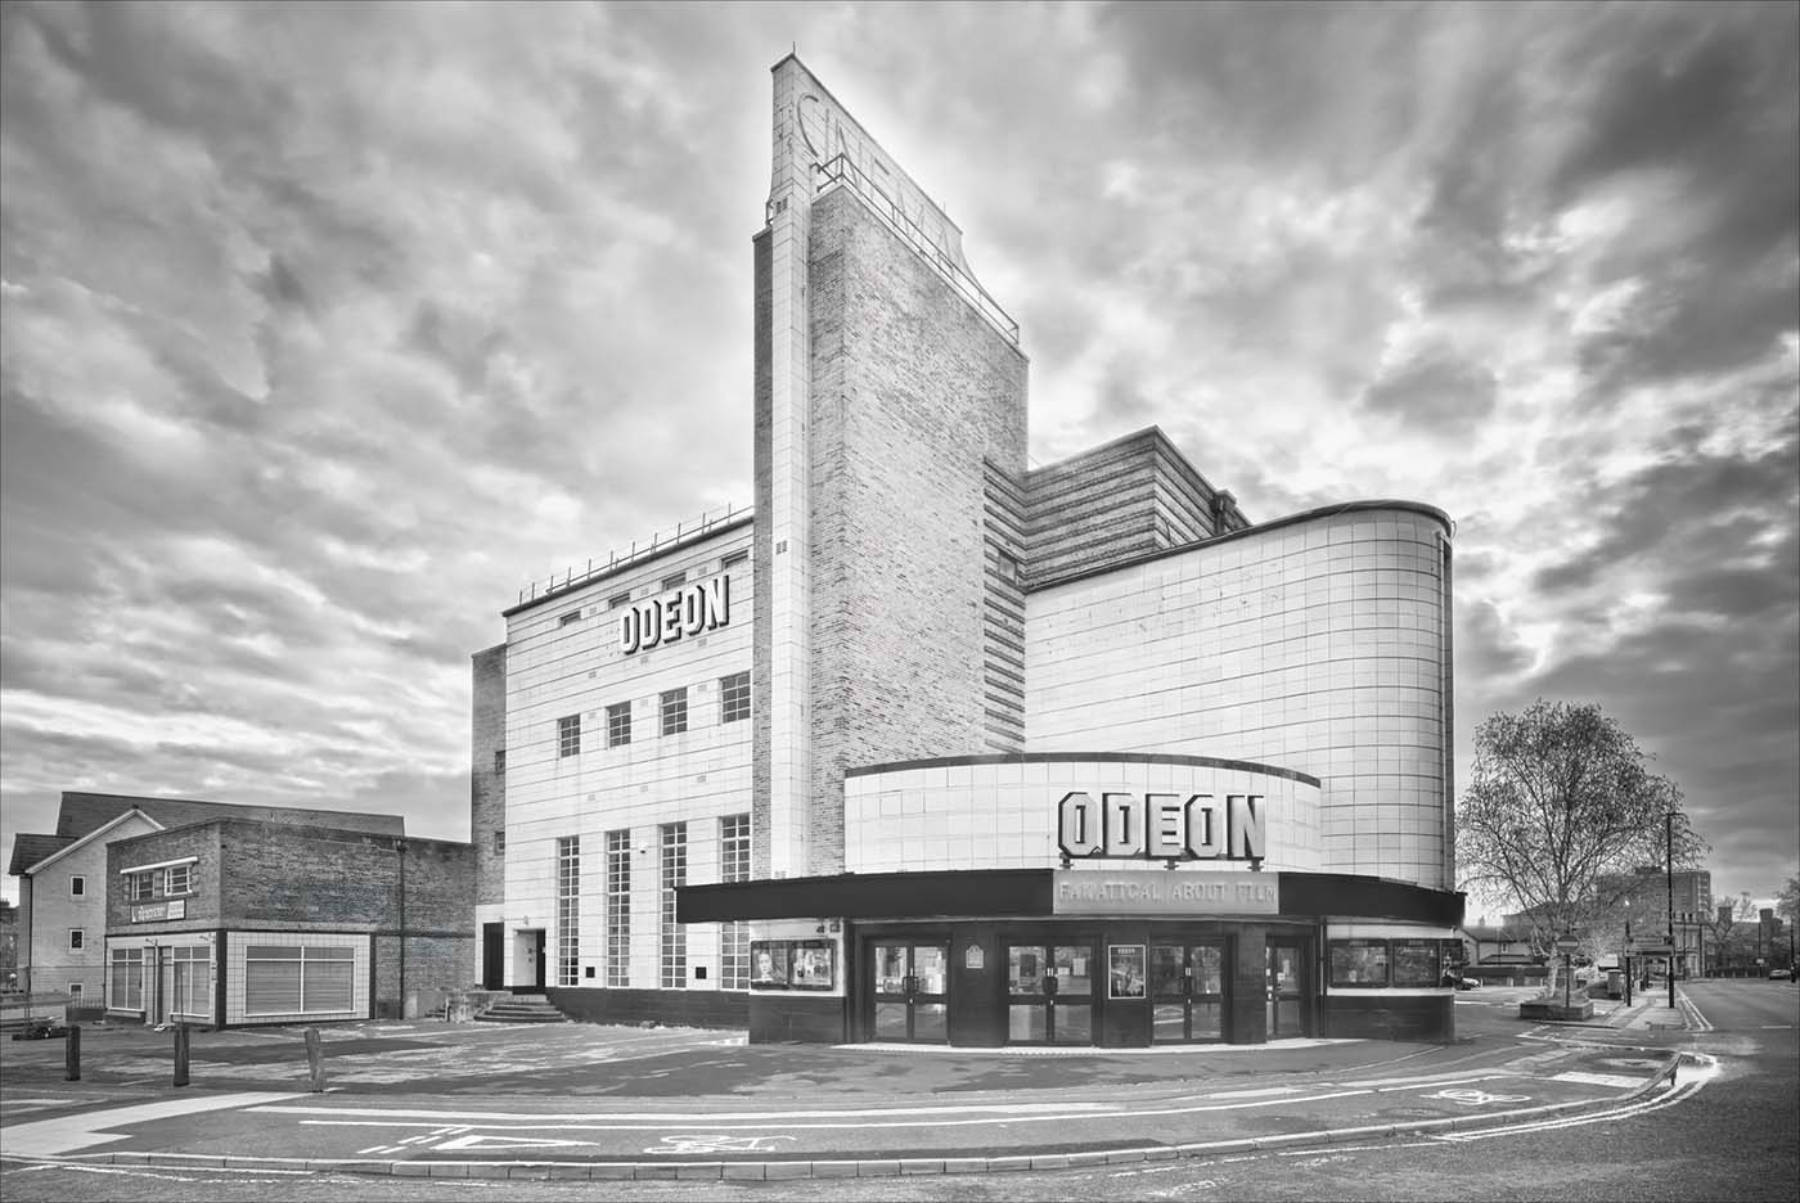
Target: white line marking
[65, 1134]
[1001, 1110]
[1623, 1081]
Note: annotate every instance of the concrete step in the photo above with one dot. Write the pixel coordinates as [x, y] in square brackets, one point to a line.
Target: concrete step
[522, 1010]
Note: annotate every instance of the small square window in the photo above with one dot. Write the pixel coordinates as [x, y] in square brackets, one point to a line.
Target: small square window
[674, 711]
[618, 725]
[674, 580]
[568, 736]
[77, 886]
[500, 763]
[77, 939]
[75, 989]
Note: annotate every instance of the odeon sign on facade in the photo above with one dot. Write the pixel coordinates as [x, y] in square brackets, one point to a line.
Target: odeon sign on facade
[1161, 827]
[690, 611]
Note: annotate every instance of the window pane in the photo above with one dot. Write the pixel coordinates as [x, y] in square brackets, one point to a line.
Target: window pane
[1359, 963]
[1073, 967]
[1025, 970]
[1074, 1024]
[1416, 963]
[568, 735]
[272, 987]
[328, 985]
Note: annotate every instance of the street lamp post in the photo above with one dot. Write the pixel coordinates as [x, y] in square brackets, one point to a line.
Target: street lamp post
[1669, 845]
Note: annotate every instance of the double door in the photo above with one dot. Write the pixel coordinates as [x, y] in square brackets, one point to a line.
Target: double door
[1187, 992]
[1050, 993]
[910, 991]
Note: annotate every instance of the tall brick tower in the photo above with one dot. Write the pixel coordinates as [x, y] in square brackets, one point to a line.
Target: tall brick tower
[890, 397]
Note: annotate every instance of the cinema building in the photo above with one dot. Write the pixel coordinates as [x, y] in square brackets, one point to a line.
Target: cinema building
[935, 746]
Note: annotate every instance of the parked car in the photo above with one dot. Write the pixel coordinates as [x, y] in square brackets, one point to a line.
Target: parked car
[1781, 975]
[1453, 978]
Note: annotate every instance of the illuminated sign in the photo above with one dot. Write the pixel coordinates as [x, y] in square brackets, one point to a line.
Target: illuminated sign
[1136, 892]
[1161, 827]
[689, 611]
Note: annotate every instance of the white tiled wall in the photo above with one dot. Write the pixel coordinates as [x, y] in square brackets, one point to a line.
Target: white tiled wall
[238, 941]
[1003, 816]
[1318, 646]
[697, 777]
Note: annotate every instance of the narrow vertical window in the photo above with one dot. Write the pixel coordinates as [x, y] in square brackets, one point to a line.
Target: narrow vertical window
[618, 908]
[568, 735]
[734, 937]
[674, 711]
[568, 910]
[734, 697]
[673, 876]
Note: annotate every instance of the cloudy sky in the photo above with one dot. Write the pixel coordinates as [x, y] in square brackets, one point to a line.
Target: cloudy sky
[326, 329]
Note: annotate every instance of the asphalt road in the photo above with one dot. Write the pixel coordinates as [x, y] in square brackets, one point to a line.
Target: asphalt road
[1729, 1130]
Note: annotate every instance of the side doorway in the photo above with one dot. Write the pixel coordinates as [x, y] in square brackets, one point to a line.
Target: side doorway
[1288, 988]
[493, 958]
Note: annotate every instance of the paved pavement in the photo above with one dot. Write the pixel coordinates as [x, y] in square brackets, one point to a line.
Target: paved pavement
[575, 1100]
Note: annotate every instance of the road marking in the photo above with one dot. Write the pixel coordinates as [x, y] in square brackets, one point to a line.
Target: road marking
[683, 1118]
[1478, 1098]
[1776, 1027]
[716, 1143]
[66, 1134]
[1623, 1081]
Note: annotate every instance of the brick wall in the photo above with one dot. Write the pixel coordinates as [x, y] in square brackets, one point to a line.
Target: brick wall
[910, 390]
[487, 788]
[200, 907]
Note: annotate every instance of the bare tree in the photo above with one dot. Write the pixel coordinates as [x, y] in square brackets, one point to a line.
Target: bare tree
[1561, 798]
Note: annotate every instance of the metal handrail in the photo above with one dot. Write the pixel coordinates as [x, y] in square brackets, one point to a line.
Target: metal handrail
[840, 169]
[660, 541]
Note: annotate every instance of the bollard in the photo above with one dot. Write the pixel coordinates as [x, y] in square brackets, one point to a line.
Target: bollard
[72, 1054]
[315, 1059]
[181, 1054]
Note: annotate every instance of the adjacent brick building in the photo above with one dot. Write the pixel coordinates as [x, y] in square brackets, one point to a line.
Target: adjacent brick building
[977, 752]
[233, 922]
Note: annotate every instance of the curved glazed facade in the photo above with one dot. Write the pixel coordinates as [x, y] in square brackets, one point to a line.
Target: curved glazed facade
[1319, 643]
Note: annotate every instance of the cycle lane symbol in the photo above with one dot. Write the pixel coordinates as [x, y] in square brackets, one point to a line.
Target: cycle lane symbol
[691, 1144]
[1477, 1098]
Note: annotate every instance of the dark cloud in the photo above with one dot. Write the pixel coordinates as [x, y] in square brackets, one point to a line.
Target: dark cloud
[1436, 389]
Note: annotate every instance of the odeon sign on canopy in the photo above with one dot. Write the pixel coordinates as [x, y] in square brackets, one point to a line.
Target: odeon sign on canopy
[1161, 827]
[689, 611]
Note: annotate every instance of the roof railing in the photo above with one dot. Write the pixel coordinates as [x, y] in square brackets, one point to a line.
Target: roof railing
[660, 541]
[841, 170]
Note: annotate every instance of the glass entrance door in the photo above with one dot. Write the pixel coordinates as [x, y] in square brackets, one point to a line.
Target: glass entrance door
[1187, 992]
[1050, 994]
[1287, 989]
[910, 992]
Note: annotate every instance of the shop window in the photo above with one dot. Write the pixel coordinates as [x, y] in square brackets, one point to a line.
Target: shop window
[618, 725]
[568, 736]
[192, 981]
[77, 886]
[734, 697]
[125, 991]
[618, 908]
[1418, 963]
[298, 979]
[77, 939]
[674, 711]
[568, 910]
[1359, 964]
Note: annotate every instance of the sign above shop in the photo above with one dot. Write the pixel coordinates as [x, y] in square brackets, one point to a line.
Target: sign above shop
[1161, 827]
[157, 912]
[1175, 895]
[700, 607]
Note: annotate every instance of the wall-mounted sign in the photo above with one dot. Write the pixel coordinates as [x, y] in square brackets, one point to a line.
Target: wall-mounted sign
[1161, 826]
[1138, 892]
[699, 607]
[156, 912]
